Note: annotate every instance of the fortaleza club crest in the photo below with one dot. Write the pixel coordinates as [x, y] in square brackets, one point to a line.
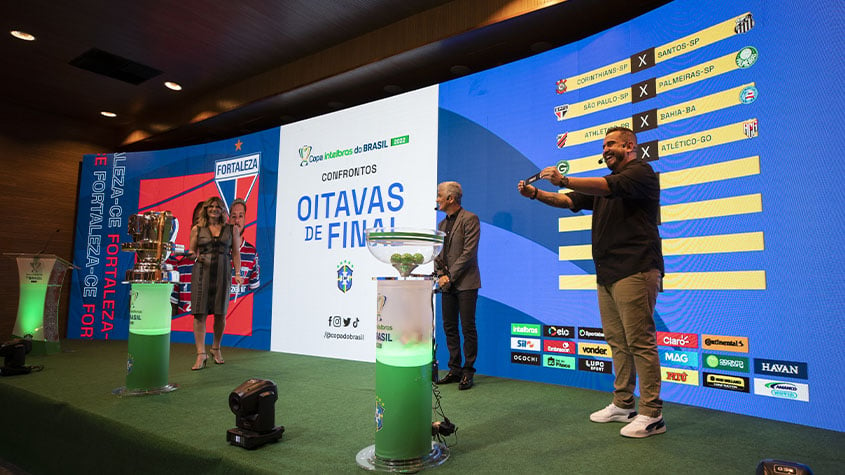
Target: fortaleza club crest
[344, 276]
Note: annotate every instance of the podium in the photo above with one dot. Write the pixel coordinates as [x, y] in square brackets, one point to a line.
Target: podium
[41, 278]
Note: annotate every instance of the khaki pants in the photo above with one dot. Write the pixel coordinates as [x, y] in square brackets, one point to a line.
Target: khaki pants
[627, 317]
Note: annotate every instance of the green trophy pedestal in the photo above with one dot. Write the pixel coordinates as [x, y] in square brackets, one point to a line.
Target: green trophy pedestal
[403, 440]
[148, 362]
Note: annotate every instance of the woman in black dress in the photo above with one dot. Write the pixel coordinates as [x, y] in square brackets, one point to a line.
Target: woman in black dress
[216, 245]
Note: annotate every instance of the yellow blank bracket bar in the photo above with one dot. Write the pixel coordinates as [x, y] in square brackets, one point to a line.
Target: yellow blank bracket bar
[710, 173]
[740, 242]
[712, 208]
[733, 280]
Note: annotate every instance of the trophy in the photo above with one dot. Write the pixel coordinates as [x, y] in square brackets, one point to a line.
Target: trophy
[152, 234]
[147, 365]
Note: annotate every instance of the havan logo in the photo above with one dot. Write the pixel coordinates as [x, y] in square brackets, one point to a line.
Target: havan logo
[790, 369]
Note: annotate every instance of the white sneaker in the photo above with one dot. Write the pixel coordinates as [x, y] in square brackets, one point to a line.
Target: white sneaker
[643, 426]
[613, 413]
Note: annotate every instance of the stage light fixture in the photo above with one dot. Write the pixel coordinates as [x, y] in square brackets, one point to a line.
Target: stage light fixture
[253, 403]
[14, 353]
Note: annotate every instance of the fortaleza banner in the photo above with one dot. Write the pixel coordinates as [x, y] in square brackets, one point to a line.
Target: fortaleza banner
[115, 186]
[339, 174]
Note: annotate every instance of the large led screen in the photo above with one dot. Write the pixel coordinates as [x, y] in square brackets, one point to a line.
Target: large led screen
[737, 106]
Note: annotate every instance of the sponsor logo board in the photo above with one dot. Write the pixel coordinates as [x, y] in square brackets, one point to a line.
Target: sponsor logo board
[789, 369]
[737, 344]
[782, 389]
[726, 381]
[525, 358]
[558, 346]
[600, 350]
[559, 362]
[725, 362]
[679, 376]
[525, 329]
[525, 344]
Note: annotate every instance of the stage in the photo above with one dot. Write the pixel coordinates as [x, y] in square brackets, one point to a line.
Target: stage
[65, 419]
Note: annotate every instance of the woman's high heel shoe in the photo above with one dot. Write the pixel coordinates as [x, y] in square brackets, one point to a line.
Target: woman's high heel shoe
[202, 361]
[218, 357]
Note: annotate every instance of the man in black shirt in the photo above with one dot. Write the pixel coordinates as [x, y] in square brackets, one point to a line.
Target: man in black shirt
[629, 269]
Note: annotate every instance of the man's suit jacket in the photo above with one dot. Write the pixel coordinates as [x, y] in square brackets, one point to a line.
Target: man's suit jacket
[460, 251]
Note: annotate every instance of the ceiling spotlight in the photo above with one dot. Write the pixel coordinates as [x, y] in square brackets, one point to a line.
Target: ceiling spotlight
[22, 35]
[108, 114]
[173, 85]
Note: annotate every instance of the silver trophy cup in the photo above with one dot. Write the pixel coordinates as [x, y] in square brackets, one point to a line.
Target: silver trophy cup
[152, 234]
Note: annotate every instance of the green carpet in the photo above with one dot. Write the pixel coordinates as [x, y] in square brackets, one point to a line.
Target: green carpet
[65, 419]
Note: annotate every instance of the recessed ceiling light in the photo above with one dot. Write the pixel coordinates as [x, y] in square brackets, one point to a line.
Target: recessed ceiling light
[22, 35]
[173, 85]
[108, 114]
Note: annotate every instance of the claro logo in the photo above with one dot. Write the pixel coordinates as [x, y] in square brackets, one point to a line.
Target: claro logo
[681, 340]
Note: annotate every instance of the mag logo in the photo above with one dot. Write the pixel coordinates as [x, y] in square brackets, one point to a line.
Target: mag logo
[553, 346]
[679, 376]
[737, 344]
[559, 362]
[525, 329]
[687, 359]
[682, 340]
[782, 389]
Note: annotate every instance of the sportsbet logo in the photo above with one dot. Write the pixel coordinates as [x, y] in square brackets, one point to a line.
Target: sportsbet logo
[526, 329]
[723, 362]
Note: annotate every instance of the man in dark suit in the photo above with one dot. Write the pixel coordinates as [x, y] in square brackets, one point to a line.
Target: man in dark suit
[459, 279]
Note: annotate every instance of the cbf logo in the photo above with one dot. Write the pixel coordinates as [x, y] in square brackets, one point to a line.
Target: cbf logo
[344, 276]
[379, 414]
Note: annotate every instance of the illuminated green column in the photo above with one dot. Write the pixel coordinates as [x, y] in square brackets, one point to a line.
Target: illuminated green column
[148, 363]
[403, 369]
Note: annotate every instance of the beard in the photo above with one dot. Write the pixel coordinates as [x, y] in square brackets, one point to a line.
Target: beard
[617, 158]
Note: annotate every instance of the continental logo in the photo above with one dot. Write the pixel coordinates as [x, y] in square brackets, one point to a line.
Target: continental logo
[725, 363]
[525, 358]
[595, 366]
[726, 381]
[782, 389]
[559, 362]
[681, 340]
[555, 331]
[525, 344]
[679, 376]
[687, 359]
[600, 350]
[556, 346]
[590, 333]
[737, 344]
[525, 329]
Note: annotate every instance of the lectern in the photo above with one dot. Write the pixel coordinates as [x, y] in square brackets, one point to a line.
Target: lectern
[41, 278]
